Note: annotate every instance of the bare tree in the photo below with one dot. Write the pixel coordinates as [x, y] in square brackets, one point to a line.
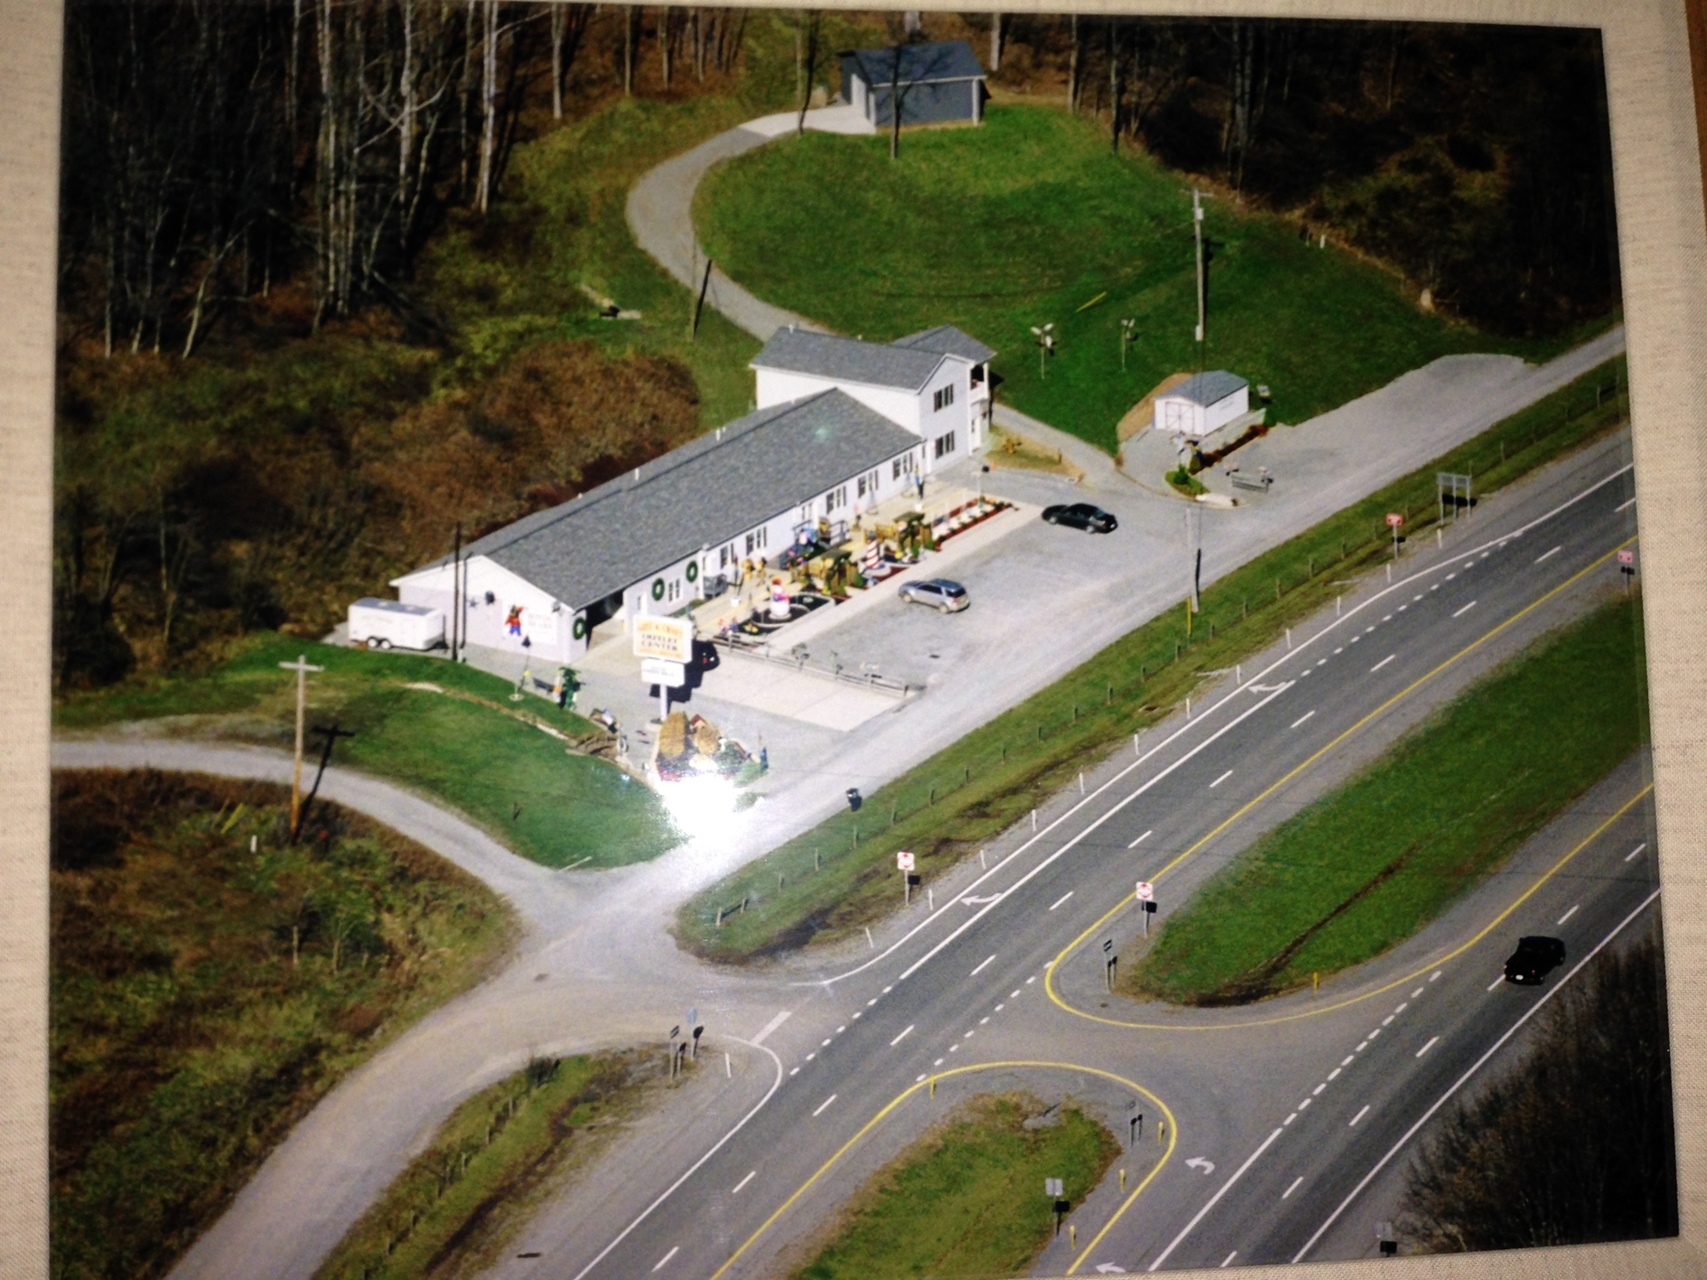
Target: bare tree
[995, 43]
[806, 64]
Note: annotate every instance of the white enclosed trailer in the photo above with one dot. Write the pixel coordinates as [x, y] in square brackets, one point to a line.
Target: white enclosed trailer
[386, 624]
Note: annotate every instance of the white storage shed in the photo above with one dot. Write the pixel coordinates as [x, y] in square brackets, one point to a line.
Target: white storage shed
[1204, 404]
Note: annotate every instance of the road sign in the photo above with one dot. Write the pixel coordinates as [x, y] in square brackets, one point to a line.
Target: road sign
[1053, 1187]
[1146, 891]
[693, 1017]
[1626, 556]
[904, 861]
[1395, 519]
[672, 675]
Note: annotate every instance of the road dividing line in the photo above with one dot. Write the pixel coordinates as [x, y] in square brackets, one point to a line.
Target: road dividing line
[1497, 982]
[1466, 609]
[744, 1181]
[1057, 903]
[1301, 719]
[1464, 1079]
[772, 1025]
[1228, 1260]
[1435, 976]
[1623, 505]
[1382, 663]
[1359, 1116]
[980, 969]
[1214, 1200]
[1636, 852]
[1432, 1042]
[661, 1261]
[1141, 839]
[1569, 914]
[1555, 551]
[1221, 779]
[1293, 1187]
[897, 1040]
[825, 1104]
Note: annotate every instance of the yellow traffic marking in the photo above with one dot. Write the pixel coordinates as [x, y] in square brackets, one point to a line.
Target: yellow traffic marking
[1055, 965]
[901, 1097]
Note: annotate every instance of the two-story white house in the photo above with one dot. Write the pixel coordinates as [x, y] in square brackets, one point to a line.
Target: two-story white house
[935, 383]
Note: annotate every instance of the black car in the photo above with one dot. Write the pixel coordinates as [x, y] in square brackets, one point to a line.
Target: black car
[1082, 515]
[1534, 959]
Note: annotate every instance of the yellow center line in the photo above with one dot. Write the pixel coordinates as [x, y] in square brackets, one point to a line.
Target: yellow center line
[1055, 964]
[1173, 1139]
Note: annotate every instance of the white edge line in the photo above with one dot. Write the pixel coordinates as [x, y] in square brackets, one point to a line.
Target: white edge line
[980, 969]
[1460, 1082]
[1061, 899]
[1301, 719]
[1545, 554]
[771, 1026]
[1141, 839]
[695, 1167]
[1382, 663]
[1623, 506]
[1221, 779]
[1403, 584]
[1466, 609]
[1569, 913]
[1634, 853]
[824, 1105]
[1213, 1200]
[1432, 1042]
[1359, 1115]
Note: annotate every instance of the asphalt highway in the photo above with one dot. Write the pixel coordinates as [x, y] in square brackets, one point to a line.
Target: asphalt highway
[1259, 1125]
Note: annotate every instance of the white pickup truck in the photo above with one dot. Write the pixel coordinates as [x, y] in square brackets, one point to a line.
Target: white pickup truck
[388, 624]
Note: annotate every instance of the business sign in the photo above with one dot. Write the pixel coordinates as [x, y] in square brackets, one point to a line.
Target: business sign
[672, 675]
[1395, 519]
[1626, 556]
[1146, 891]
[667, 638]
[1054, 1187]
[904, 860]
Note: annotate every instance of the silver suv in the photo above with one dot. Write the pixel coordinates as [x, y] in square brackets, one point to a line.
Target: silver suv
[939, 593]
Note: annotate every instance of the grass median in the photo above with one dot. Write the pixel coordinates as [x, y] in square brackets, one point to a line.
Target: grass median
[1364, 868]
[1028, 220]
[965, 1200]
[460, 1202]
[519, 769]
[825, 884]
[211, 982]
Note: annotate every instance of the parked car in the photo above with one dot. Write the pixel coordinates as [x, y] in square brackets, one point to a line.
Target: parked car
[1534, 959]
[1082, 515]
[940, 593]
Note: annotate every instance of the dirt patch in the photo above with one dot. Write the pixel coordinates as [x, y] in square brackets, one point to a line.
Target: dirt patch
[1141, 414]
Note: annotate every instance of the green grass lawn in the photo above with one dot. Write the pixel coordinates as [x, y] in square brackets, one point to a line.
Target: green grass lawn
[1028, 219]
[479, 752]
[458, 1204]
[965, 1200]
[1364, 868]
[841, 875]
[203, 997]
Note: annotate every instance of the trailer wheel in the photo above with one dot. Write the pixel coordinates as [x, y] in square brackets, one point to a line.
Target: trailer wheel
[374, 642]
[385, 644]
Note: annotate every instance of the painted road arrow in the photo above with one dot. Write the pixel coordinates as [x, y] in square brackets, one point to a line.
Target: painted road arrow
[1198, 1162]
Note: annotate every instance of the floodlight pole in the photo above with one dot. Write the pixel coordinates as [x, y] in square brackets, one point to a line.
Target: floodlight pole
[1202, 291]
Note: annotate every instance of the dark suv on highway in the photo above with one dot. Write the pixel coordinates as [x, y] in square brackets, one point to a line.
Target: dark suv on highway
[1534, 959]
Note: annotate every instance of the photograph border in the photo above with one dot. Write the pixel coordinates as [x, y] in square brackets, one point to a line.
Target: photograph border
[1658, 157]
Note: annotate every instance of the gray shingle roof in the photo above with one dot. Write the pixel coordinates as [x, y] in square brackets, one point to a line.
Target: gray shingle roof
[924, 62]
[948, 341]
[828, 355]
[705, 493]
[1206, 388]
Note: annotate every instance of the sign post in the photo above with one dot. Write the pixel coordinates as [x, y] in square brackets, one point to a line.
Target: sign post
[1394, 520]
[904, 861]
[1056, 1190]
[664, 647]
[1626, 566]
[1146, 903]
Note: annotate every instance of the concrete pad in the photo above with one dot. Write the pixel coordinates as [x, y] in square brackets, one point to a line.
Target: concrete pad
[771, 687]
[840, 118]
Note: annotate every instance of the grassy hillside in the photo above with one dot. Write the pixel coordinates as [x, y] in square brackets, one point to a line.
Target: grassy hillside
[1029, 220]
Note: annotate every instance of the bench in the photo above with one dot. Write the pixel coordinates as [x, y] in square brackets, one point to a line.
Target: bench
[1259, 483]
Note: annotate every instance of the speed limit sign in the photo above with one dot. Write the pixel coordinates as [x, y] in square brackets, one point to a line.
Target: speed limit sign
[1395, 519]
[1146, 891]
[904, 861]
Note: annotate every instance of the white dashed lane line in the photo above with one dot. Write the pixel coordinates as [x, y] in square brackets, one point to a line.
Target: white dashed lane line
[1466, 609]
[824, 1105]
[1358, 1116]
[1301, 719]
[744, 1181]
[1569, 913]
[897, 1040]
[1057, 903]
[661, 1261]
[1382, 663]
[1140, 840]
[1432, 1042]
[1555, 551]
[1636, 852]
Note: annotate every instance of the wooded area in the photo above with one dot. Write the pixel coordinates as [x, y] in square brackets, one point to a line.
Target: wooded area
[280, 220]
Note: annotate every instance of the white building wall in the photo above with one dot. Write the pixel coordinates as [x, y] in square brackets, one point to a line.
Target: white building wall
[955, 417]
[544, 623]
[1225, 410]
[900, 407]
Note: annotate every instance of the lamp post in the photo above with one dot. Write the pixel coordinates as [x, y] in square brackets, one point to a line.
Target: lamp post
[1127, 338]
[1045, 347]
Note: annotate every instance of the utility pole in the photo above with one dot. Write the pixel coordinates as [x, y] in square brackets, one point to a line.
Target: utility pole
[456, 592]
[1194, 550]
[302, 668]
[1202, 283]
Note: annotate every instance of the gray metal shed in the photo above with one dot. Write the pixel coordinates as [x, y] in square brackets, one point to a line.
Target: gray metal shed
[936, 82]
